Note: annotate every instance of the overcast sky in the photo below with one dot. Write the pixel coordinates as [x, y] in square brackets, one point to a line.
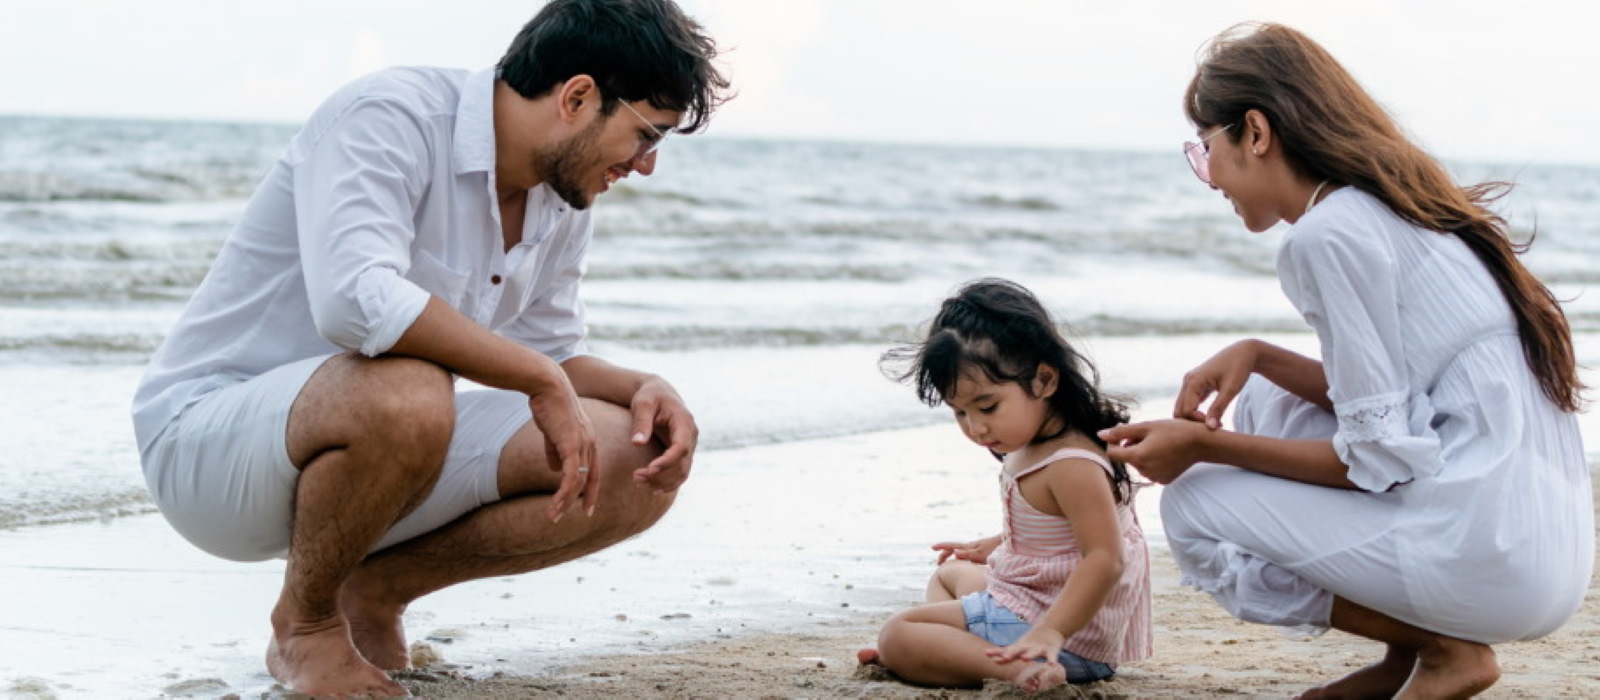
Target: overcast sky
[1507, 80]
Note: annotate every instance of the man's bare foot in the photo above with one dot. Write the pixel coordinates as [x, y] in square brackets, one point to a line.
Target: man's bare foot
[376, 629]
[867, 655]
[1379, 681]
[1454, 668]
[1038, 676]
[319, 660]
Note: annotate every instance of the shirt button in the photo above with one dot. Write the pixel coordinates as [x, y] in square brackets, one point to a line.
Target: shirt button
[494, 279]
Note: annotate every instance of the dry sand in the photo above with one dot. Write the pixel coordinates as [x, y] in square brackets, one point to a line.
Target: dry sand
[1200, 652]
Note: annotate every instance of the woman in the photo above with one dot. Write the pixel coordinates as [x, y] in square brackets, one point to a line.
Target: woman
[1424, 483]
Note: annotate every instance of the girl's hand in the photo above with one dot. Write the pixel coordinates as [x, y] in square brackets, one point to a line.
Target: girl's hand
[1040, 643]
[1219, 379]
[1161, 450]
[976, 551]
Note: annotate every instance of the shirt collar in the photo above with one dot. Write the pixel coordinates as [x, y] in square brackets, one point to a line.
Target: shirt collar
[474, 133]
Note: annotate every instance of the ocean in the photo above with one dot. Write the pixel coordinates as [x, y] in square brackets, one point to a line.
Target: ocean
[762, 277]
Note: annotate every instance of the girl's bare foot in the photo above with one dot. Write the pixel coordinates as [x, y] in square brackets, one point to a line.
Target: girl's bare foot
[1038, 676]
[1452, 668]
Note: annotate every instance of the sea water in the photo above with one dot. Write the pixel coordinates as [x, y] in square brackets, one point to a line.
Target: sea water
[762, 277]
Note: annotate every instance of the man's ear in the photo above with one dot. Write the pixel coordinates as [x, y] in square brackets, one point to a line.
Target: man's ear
[579, 93]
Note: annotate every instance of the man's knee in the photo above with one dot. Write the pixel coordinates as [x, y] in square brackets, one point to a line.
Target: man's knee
[412, 392]
[401, 406]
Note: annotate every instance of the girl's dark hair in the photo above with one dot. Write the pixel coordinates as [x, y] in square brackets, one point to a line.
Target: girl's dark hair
[1332, 130]
[634, 50]
[999, 328]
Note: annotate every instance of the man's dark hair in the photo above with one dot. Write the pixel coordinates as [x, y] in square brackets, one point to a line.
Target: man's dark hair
[634, 50]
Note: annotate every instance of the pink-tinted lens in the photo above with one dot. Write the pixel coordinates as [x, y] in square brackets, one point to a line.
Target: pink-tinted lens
[1199, 160]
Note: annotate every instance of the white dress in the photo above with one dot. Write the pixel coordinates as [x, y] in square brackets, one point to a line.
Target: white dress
[1476, 517]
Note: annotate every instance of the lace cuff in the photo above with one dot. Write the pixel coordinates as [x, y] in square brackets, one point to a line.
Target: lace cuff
[1373, 418]
[1385, 440]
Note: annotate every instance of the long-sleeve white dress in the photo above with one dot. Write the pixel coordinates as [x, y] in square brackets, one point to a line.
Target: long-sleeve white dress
[1475, 517]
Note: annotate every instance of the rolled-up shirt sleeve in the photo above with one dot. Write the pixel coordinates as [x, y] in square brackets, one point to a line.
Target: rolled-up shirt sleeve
[1345, 285]
[356, 191]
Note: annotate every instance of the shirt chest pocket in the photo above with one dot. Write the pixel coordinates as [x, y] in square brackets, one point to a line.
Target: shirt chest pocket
[438, 279]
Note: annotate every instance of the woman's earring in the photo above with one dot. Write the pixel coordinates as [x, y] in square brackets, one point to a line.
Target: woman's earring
[1255, 151]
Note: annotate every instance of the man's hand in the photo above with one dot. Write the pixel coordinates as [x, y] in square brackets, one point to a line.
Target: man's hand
[658, 412]
[569, 447]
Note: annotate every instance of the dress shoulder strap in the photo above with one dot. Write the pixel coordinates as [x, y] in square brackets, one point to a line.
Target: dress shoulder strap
[1067, 453]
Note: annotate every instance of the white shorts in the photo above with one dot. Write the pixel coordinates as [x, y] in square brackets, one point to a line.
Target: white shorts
[220, 472]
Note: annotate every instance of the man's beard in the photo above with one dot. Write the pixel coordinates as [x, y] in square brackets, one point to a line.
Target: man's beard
[562, 166]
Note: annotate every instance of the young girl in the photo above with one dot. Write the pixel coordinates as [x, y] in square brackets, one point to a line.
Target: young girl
[1063, 593]
[1423, 482]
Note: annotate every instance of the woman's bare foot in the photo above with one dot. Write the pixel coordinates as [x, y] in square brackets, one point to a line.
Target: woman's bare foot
[376, 629]
[1379, 681]
[319, 660]
[1452, 668]
[1038, 676]
[867, 656]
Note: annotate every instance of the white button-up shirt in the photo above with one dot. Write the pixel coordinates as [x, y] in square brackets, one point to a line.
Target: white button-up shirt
[385, 198]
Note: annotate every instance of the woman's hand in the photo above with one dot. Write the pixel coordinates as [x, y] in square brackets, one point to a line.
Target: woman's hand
[1161, 450]
[976, 551]
[1219, 379]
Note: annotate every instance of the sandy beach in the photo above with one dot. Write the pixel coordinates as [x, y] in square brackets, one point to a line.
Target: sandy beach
[1201, 652]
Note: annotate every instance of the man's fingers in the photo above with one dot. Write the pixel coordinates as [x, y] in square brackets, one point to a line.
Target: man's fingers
[591, 485]
[575, 468]
[644, 421]
[668, 471]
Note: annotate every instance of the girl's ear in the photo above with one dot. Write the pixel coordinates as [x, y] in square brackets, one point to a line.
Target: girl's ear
[1045, 381]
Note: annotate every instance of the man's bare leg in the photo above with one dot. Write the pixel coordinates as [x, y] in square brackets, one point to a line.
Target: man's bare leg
[369, 437]
[1440, 666]
[512, 536]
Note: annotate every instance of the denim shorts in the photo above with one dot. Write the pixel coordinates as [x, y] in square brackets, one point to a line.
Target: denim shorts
[988, 619]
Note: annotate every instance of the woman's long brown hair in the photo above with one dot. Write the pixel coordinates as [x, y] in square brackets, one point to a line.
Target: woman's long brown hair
[1331, 129]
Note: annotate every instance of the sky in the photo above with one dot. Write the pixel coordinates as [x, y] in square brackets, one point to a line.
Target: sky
[1502, 80]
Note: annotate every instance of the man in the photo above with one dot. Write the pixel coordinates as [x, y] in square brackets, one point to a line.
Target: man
[427, 224]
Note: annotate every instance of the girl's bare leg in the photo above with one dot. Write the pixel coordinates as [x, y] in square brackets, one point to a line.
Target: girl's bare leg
[930, 645]
[953, 579]
[956, 578]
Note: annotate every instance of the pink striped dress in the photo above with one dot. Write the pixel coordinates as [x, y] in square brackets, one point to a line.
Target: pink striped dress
[1030, 567]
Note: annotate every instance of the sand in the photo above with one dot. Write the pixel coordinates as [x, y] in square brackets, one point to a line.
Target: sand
[1200, 652]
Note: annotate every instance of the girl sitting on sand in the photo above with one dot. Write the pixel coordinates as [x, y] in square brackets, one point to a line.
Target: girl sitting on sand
[1063, 593]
